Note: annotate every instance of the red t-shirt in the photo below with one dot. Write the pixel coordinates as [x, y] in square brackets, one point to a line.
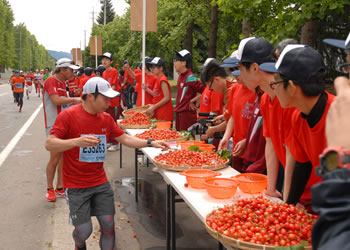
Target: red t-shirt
[277, 124]
[165, 112]
[53, 86]
[242, 104]
[149, 81]
[29, 79]
[306, 144]
[111, 76]
[72, 123]
[129, 80]
[211, 101]
[229, 94]
[72, 84]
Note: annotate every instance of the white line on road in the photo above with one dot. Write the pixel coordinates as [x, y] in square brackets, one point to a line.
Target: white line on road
[4, 94]
[18, 136]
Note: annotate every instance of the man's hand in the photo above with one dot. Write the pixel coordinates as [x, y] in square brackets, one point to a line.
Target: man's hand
[77, 100]
[273, 193]
[239, 148]
[218, 119]
[210, 131]
[223, 144]
[87, 141]
[160, 144]
[338, 117]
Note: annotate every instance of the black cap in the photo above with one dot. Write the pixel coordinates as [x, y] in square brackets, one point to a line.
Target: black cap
[108, 55]
[255, 50]
[183, 55]
[297, 62]
[341, 44]
[158, 62]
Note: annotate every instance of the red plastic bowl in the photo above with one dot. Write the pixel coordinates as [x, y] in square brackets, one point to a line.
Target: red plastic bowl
[206, 147]
[251, 183]
[196, 177]
[221, 188]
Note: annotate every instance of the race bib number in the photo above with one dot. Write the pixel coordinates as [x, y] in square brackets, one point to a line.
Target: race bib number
[18, 85]
[96, 153]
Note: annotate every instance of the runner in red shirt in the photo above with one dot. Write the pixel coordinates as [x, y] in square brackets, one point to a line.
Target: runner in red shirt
[189, 89]
[80, 132]
[17, 84]
[29, 78]
[162, 108]
[114, 109]
[54, 101]
[299, 82]
[88, 72]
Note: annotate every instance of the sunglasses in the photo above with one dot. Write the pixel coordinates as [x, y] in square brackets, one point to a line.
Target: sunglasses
[273, 85]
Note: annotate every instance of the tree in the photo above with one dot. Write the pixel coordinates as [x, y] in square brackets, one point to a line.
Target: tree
[109, 10]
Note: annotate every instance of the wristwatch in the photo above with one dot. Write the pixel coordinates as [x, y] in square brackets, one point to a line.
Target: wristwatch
[332, 158]
[149, 142]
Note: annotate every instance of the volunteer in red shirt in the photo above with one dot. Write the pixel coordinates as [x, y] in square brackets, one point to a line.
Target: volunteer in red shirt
[299, 82]
[128, 85]
[81, 133]
[88, 72]
[111, 75]
[150, 80]
[17, 83]
[162, 107]
[54, 101]
[189, 89]
[28, 83]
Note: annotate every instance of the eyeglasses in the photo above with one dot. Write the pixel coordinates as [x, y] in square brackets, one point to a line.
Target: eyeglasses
[273, 85]
[345, 68]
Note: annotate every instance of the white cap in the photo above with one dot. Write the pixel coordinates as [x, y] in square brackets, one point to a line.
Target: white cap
[103, 87]
[65, 62]
[107, 55]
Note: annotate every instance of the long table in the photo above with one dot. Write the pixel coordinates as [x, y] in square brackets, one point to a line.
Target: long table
[197, 199]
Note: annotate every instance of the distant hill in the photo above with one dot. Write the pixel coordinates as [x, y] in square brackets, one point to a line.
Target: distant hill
[59, 54]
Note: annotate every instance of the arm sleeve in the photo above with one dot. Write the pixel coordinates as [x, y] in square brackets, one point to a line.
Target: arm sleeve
[301, 174]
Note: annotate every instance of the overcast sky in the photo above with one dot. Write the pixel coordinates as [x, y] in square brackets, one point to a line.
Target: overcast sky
[60, 24]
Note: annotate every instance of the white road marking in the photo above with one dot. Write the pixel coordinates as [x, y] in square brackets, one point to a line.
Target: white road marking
[4, 94]
[4, 154]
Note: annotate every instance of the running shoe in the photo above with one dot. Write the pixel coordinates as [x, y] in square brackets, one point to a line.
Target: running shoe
[113, 148]
[59, 193]
[20, 110]
[27, 97]
[50, 195]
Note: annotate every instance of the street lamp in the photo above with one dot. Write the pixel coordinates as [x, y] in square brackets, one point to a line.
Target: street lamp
[105, 3]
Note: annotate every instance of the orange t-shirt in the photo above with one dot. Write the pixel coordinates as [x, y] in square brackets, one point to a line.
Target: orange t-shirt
[111, 76]
[276, 124]
[242, 104]
[165, 112]
[149, 82]
[306, 144]
[19, 81]
[211, 101]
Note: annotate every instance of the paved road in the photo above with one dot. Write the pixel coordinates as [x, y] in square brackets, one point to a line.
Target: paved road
[28, 221]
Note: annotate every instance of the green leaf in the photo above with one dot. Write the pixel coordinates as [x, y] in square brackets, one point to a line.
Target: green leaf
[194, 148]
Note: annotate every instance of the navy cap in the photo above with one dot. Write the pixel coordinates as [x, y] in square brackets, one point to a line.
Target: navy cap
[236, 73]
[183, 55]
[208, 60]
[341, 44]
[297, 62]
[231, 62]
[255, 50]
[158, 62]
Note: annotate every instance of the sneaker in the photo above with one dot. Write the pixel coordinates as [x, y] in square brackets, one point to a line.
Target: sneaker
[17, 104]
[109, 144]
[27, 97]
[113, 148]
[50, 195]
[60, 193]
[20, 110]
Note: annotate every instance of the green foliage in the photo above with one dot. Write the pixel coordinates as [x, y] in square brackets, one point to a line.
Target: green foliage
[34, 55]
[110, 14]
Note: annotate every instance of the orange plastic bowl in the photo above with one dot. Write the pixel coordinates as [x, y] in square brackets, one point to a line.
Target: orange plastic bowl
[206, 147]
[251, 183]
[186, 144]
[221, 188]
[196, 177]
[163, 125]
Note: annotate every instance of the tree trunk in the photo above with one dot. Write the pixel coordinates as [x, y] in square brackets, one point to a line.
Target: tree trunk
[188, 39]
[246, 27]
[214, 22]
[309, 33]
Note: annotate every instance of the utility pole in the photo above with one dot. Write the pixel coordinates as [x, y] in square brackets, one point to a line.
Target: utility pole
[93, 17]
[104, 20]
[84, 39]
[20, 48]
[30, 53]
